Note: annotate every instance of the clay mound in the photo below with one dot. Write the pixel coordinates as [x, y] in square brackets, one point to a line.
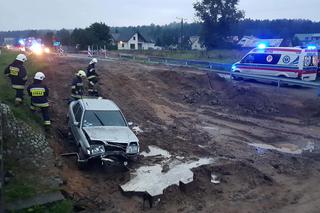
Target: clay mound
[247, 100]
[247, 176]
[211, 89]
[200, 89]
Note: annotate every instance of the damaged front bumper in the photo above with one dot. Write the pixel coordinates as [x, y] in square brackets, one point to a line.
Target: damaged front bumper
[109, 157]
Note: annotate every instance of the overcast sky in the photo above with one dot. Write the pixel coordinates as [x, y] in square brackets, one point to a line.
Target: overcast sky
[57, 14]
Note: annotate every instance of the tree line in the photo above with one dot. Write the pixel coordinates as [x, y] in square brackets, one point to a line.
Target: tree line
[217, 21]
[282, 28]
[166, 35]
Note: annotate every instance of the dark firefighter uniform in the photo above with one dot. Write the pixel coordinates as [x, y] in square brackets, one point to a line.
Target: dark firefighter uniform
[77, 88]
[92, 78]
[18, 75]
[39, 99]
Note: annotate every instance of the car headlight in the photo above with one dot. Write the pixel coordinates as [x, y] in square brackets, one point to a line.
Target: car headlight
[133, 148]
[97, 149]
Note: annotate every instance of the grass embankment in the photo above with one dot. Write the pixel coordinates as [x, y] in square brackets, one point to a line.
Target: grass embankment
[218, 56]
[7, 94]
[24, 184]
[61, 207]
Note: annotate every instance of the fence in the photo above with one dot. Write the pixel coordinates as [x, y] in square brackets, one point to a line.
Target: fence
[221, 68]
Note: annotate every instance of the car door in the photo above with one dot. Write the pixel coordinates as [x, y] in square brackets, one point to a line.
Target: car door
[78, 128]
[76, 117]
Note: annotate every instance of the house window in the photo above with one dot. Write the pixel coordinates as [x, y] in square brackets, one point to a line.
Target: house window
[132, 46]
[122, 45]
[134, 38]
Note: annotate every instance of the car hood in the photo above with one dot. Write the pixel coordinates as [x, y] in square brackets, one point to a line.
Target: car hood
[111, 134]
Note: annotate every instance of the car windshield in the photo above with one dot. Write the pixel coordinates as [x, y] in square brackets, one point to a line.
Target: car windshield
[103, 118]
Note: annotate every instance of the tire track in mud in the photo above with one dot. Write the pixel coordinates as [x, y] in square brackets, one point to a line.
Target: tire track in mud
[231, 119]
[244, 185]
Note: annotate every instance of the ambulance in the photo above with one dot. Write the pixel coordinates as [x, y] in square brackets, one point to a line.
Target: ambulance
[285, 62]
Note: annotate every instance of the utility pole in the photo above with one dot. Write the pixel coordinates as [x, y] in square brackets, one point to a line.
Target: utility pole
[182, 20]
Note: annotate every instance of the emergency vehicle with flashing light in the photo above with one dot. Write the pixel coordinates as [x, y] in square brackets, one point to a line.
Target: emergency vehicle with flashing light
[286, 62]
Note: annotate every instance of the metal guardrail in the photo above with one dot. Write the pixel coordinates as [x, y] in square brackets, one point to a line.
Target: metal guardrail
[221, 68]
[278, 80]
[183, 62]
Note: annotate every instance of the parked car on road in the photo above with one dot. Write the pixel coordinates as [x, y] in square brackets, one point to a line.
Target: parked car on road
[101, 131]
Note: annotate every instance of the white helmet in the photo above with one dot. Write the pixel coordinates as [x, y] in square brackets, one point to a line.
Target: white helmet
[22, 58]
[39, 76]
[81, 74]
[94, 60]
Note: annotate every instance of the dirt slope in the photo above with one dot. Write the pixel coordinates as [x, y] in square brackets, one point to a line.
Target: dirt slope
[193, 114]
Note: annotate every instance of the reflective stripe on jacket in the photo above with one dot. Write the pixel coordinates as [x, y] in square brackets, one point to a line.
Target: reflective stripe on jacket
[77, 86]
[91, 71]
[17, 73]
[39, 94]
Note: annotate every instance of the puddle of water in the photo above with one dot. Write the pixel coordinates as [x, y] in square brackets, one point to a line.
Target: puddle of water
[151, 180]
[224, 76]
[285, 148]
[210, 128]
[180, 157]
[202, 147]
[214, 179]
[310, 147]
[154, 151]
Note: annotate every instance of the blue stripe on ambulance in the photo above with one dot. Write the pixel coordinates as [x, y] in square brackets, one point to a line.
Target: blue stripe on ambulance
[268, 66]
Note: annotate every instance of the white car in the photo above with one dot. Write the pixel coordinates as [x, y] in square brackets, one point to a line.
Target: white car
[101, 131]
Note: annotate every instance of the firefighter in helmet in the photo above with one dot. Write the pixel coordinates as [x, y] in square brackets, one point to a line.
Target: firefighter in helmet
[39, 97]
[77, 87]
[92, 78]
[18, 76]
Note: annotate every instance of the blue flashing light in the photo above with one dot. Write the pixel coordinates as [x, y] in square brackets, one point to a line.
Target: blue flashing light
[311, 47]
[21, 41]
[262, 46]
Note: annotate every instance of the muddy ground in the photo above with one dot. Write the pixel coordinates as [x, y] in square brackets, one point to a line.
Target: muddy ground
[193, 114]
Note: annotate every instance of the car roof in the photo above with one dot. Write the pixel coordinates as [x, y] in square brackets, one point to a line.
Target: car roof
[99, 104]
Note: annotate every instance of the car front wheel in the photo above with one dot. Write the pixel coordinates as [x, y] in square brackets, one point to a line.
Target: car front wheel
[82, 164]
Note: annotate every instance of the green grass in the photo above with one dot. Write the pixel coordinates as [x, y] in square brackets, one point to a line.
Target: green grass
[219, 56]
[24, 184]
[65, 206]
[17, 189]
[7, 94]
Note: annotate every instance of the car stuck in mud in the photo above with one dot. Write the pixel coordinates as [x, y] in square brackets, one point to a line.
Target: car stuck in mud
[101, 131]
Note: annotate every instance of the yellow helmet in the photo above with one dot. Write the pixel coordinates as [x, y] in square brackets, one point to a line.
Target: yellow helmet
[81, 74]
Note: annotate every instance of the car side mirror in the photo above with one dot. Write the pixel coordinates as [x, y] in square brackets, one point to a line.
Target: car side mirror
[76, 124]
[130, 123]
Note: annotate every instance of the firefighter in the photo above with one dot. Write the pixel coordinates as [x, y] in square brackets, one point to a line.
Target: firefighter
[18, 75]
[92, 78]
[77, 87]
[39, 97]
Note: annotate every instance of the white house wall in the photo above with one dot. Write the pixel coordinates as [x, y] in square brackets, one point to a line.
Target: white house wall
[146, 46]
[126, 45]
[197, 46]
